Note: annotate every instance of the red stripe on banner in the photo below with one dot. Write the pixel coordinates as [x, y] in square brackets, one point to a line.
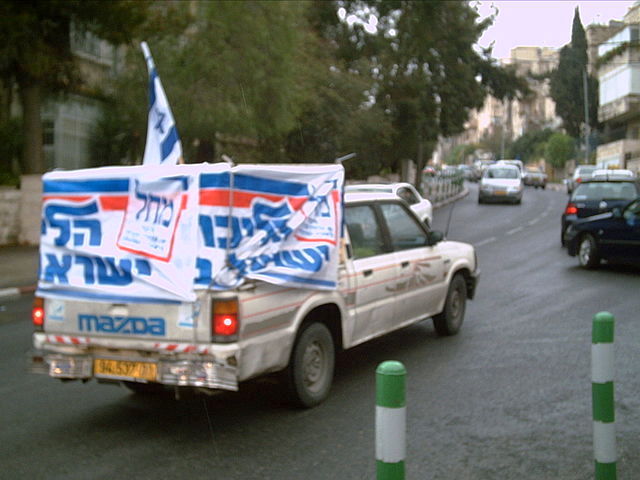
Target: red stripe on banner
[59, 339]
[75, 341]
[171, 348]
[70, 198]
[114, 203]
[220, 198]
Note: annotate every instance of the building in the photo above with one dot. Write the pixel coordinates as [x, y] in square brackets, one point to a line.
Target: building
[619, 94]
[68, 123]
[504, 120]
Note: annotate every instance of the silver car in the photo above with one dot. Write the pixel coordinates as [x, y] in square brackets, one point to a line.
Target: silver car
[502, 183]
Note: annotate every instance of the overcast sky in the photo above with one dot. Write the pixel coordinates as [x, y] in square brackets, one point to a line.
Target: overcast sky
[542, 23]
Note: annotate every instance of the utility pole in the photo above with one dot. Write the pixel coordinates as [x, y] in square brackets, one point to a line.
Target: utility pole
[587, 128]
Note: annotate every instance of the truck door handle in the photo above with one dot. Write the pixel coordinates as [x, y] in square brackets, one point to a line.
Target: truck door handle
[405, 264]
[366, 273]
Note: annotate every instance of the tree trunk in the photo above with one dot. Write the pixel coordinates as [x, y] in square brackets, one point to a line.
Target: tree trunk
[33, 156]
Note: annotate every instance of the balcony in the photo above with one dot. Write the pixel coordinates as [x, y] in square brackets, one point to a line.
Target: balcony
[618, 154]
[621, 109]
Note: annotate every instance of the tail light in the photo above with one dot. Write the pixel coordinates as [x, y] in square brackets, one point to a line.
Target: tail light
[225, 323]
[571, 209]
[578, 180]
[37, 313]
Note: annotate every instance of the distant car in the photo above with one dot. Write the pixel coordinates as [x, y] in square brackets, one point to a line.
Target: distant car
[517, 163]
[406, 191]
[613, 235]
[580, 174]
[469, 173]
[429, 171]
[501, 182]
[604, 174]
[593, 197]
[535, 177]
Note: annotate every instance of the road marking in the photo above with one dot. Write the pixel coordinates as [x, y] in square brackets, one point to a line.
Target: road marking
[515, 230]
[534, 221]
[485, 241]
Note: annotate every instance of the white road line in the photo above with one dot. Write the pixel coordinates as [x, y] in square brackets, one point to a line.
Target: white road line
[515, 230]
[534, 221]
[485, 241]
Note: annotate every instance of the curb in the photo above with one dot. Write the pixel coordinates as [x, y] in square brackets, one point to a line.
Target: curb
[460, 195]
[16, 291]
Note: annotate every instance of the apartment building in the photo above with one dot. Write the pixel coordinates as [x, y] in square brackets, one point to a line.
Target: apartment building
[619, 94]
[509, 119]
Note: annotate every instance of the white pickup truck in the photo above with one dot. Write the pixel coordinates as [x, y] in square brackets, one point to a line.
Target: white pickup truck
[393, 272]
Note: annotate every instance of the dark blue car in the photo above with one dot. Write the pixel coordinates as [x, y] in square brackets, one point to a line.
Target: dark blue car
[613, 235]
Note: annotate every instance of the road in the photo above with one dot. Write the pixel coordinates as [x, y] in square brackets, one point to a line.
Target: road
[508, 398]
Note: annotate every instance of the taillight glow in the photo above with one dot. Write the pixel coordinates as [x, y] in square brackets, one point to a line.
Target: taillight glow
[571, 209]
[37, 312]
[578, 180]
[225, 324]
[224, 318]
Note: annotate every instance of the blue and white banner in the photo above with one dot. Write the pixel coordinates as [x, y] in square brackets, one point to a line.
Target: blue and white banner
[120, 233]
[163, 145]
[149, 233]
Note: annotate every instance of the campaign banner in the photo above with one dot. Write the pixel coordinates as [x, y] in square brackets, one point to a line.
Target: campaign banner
[276, 223]
[119, 233]
[159, 233]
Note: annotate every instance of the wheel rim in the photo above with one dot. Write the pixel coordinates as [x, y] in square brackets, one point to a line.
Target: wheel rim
[314, 366]
[456, 307]
[585, 251]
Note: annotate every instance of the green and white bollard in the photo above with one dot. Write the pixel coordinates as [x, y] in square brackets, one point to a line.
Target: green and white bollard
[391, 420]
[602, 373]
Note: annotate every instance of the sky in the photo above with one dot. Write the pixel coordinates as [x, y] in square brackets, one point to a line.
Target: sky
[523, 23]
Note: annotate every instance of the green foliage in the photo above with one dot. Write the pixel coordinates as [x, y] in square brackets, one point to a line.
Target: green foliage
[459, 154]
[530, 146]
[559, 148]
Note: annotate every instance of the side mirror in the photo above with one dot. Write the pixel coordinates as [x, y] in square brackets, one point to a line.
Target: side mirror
[617, 212]
[434, 237]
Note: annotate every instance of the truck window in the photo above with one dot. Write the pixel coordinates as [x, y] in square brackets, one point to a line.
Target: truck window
[405, 232]
[364, 231]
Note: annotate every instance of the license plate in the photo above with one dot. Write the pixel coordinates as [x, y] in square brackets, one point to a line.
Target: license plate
[500, 192]
[123, 369]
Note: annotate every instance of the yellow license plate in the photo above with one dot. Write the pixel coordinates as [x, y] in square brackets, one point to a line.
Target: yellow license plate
[124, 369]
[500, 192]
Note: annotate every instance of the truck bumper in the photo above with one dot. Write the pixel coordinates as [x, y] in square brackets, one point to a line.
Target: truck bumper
[472, 282]
[180, 369]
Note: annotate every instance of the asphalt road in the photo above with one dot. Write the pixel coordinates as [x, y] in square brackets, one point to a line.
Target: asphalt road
[507, 398]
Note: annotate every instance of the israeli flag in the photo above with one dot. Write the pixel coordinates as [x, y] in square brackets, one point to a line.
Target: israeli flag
[163, 145]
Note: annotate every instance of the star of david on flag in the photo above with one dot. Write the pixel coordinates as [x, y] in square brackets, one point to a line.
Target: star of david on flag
[163, 145]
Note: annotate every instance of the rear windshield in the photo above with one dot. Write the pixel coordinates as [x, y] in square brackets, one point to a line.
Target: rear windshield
[501, 173]
[605, 191]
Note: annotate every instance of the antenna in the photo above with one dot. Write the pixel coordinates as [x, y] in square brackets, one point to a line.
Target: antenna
[345, 157]
[446, 232]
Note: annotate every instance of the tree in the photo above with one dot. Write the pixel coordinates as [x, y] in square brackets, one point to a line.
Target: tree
[530, 146]
[559, 148]
[567, 83]
[35, 48]
[428, 74]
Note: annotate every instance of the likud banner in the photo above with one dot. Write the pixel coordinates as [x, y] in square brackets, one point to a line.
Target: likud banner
[159, 233]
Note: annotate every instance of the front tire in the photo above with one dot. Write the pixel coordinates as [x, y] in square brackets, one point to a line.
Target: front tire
[588, 252]
[449, 321]
[310, 371]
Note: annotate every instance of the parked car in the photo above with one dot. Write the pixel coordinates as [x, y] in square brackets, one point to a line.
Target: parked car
[501, 182]
[404, 190]
[580, 174]
[613, 235]
[593, 197]
[535, 177]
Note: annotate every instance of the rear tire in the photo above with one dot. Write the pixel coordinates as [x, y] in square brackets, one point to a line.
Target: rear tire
[449, 321]
[310, 372]
[588, 252]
